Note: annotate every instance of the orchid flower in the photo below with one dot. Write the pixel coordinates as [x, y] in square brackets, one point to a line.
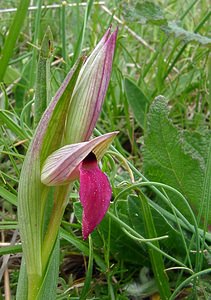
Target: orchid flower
[79, 160]
[60, 152]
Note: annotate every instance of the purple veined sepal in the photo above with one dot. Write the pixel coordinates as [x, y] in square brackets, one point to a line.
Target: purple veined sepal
[62, 166]
[95, 194]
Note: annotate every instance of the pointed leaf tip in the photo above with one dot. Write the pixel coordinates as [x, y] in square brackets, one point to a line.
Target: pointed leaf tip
[95, 194]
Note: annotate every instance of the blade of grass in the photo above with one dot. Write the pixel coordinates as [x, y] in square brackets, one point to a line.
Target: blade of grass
[13, 35]
[80, 41]
[188, 281]
[10, 249]
[35, 43]
[82, 246]
[205, 203]
[12, 125]
[155, 256]
[8, 196]
[63, 31]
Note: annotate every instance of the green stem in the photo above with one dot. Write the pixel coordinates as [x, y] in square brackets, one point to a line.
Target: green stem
[35, 42]
[34, 283]
[63, 31]
[80, 41]
[60, 202]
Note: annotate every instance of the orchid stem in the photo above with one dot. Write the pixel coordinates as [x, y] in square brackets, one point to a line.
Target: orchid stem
[34, 283]
[60, 201]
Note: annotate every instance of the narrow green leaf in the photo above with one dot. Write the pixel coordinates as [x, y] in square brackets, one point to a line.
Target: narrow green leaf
[11, 75]
[10, 249]
[80, 41]
[155, 256]
[37, 23]
[12, 37]
[205, 208]
[163, 227]
[8, 196]
[49, 283]
[22, 288]
[82, 246]
[137, 101]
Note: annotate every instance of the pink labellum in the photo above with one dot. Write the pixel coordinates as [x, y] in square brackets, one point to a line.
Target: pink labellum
[95, 194]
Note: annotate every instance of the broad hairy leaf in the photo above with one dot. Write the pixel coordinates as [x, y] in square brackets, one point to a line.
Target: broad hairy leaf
[145, 12]
[167, 159]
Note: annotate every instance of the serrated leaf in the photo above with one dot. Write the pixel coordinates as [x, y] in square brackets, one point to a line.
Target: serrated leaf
[137, 101]
[185, 35]
[166, 161]
[197, 143]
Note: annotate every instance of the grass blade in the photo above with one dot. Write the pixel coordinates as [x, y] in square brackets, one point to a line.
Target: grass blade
[155, 257]
[88, 279]
[12, 37]
[8, 196]
[80, 41]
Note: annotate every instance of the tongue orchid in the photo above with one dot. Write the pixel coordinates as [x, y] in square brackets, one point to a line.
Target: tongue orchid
[60, 152]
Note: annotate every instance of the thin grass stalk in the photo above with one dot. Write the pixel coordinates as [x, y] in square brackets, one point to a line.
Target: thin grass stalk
[140, 239]
[205, 202]
[13, 35]
[35, 43]
[63, 31]
[81, 37]
[188, 281]
[5, 143]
